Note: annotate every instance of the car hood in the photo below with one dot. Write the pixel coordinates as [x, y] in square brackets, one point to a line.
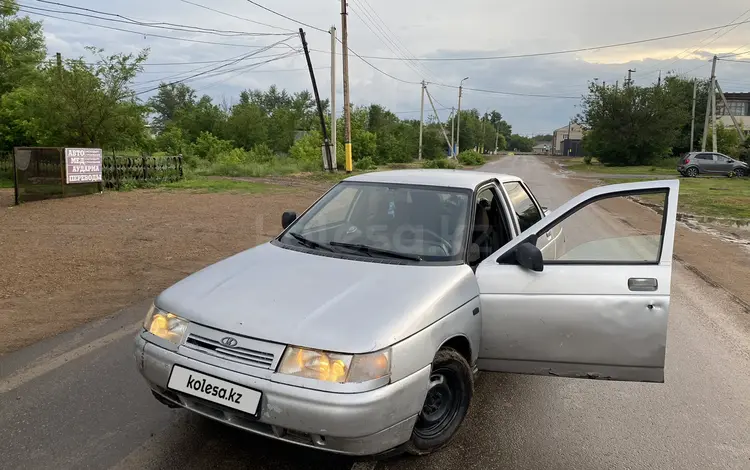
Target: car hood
[287, 296]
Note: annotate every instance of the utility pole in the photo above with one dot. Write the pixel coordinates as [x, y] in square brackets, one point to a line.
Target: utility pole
[421, 120]
[711, 96]
[453, 134]
[437, 116]
[481, 149]
[333, 96]
[570, 123]
[692, 121]
[497, 136]
[658, 83]
[59, 65]
[458, 123]
[630, 76]
[347, 105]
[714, 139]
[326, 142]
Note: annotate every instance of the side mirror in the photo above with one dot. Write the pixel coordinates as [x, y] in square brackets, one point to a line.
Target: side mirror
[545, 211]
[530, 257]
[287, 218]
[474, 253]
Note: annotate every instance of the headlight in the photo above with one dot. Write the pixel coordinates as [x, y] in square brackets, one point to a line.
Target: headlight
[165, 325]
[332, 367]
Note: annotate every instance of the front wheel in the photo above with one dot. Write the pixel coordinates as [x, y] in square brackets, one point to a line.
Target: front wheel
[446, 404]
[691, 172]
[740, 172]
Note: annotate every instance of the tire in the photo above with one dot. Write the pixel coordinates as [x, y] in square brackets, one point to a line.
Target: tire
[446, 404]
[739, 172]
[691, 172]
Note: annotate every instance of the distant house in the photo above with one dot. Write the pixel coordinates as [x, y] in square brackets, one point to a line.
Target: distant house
[567, 141]
[739, 105]
[542, 148]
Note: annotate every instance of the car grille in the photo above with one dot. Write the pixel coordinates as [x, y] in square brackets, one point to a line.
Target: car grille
[252, 357]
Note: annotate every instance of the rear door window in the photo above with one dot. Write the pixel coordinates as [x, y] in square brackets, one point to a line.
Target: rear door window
[523, 205]
[705, 156]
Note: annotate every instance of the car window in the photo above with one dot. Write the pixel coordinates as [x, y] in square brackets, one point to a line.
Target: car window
[721, 158]
[527, 212]
[490, 231]
[421, 221]
[636, 237]
[336, 210]
[705, 156]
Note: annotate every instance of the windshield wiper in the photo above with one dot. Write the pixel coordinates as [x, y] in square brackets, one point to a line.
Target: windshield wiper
[309, 243]
[371, 250]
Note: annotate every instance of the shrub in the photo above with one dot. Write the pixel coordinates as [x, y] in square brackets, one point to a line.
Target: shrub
[207, 146]
[308, 147]
[233, 157]
[471, 158]
[587, 159]
[261, 153]
[365, 163]
[441, 163]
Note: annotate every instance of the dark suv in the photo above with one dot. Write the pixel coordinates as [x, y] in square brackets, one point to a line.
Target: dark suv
[708, 163]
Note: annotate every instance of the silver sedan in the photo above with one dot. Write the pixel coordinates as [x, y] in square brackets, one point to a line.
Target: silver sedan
[360, 328]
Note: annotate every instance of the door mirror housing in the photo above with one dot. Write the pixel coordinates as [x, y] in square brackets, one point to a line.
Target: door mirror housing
[287, 218]
[529, 256]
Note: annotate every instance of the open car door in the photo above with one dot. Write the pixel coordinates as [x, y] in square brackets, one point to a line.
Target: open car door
[598, 309]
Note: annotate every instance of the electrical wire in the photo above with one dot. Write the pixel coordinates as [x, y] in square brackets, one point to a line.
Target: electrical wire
[497, 92]
[142, 33]
[409, 54]
[736, 60]
[236, 16]
[287, 17]
[118, 18]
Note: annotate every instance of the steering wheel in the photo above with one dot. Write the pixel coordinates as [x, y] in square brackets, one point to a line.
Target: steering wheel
[437, 240]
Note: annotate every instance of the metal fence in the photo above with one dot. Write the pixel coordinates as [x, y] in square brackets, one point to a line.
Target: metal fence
[40, 173]
[121, 171]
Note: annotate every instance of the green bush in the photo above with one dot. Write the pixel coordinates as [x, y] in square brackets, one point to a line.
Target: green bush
[365, 163]
[471, 158]
[308, 148]
[233, 157]
[440, 163]
[280, 166]
[587, 159]
[208, 147]
[261, 153]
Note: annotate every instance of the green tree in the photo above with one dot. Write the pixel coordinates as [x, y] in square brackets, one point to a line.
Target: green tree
[247, 125]
[82, 104]
[631, 125]
[520, 143]
[169, 101]
[22, 46]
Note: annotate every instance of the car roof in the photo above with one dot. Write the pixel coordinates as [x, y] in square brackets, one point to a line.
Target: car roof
[424, 177]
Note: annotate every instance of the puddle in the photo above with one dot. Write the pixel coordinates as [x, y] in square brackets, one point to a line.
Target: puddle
[735, 231]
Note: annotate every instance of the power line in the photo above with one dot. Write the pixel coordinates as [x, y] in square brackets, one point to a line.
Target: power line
[736, 60]
[384, 40]
[142, 33]
[287, 17]
[236, 16]
[205, 74]
[559, 52]
[398, 41]
[497, 92]
[118, 18]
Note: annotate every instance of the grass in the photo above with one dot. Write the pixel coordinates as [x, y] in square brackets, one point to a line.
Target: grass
[668, 166]
[711, 197]
[216, 185]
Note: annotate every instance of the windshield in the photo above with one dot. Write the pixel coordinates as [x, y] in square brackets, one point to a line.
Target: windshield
[380, 220]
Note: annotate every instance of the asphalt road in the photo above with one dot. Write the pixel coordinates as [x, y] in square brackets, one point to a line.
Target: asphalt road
[76, 401]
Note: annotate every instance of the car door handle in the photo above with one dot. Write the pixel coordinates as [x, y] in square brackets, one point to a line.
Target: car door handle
[549, 234]
[641, 284]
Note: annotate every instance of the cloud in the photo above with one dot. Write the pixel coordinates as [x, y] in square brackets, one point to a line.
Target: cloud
[435, 28]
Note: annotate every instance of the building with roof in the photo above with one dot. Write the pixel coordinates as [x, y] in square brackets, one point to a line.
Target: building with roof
[739, 105]
[567, 140]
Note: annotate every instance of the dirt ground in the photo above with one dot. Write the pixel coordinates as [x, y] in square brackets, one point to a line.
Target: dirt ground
[70, 261]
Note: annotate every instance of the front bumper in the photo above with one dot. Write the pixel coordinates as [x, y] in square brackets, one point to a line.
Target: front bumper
[360, 424]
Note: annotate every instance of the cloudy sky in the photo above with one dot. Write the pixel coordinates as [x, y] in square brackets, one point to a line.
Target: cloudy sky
[424, 29]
